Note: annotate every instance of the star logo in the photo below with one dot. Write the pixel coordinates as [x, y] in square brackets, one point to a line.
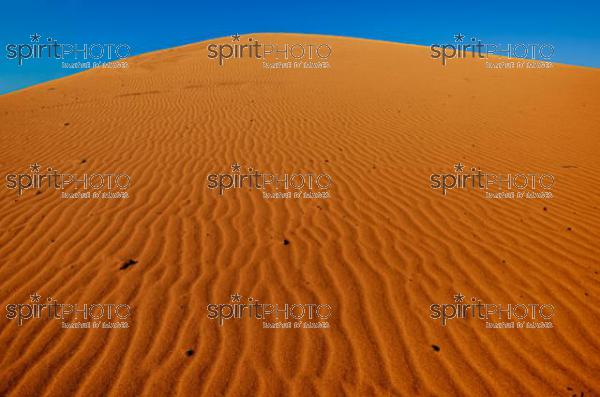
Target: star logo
[235, 37]
[35, 38]
[235, 167]
[459, 167]
[35, 167]
[459, 37]
[35, 297]
[459, 298]
[236, 297]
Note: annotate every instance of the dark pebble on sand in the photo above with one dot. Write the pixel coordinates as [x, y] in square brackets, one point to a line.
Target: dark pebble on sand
[436, 348]
[189, 353]
[127, 264]
[285, 242]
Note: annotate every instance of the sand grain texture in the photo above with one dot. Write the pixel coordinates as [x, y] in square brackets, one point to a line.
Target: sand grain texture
[380, 251]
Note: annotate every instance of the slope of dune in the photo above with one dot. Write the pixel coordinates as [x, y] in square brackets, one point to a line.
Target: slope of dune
[380, 250]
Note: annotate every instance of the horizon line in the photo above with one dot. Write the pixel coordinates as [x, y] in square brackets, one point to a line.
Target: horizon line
[158, 50]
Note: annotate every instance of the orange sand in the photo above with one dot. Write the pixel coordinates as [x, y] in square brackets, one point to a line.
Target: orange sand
[380, 251]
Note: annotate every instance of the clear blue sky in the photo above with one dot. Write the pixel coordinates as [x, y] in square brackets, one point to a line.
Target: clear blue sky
[573, 28]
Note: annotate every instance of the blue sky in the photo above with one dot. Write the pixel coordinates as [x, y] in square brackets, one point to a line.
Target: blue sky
[571, 27]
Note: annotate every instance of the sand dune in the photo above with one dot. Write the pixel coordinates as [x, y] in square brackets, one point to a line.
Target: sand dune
[380, 250]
